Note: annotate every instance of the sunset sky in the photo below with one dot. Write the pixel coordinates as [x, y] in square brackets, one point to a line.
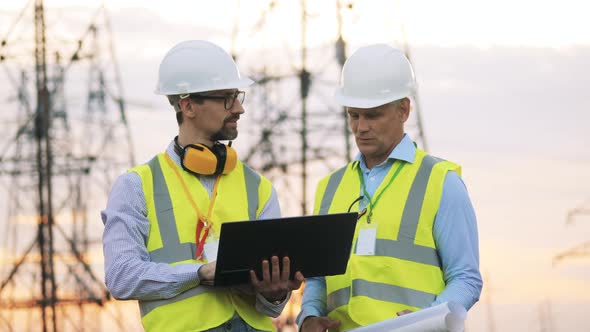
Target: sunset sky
[503, 92]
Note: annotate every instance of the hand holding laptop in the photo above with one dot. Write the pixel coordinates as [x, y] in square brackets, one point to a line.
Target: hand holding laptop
[275, 284]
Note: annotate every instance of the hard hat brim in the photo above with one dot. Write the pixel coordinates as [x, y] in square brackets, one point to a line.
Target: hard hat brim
[357, 102]
[243, 82]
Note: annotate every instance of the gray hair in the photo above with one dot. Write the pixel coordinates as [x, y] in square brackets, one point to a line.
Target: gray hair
[397, 102]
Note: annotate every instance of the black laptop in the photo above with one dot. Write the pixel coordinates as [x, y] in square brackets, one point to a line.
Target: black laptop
[318, 245]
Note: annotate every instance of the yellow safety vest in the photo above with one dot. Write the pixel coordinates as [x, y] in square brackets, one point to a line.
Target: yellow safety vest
[405, 272]
[241, 195]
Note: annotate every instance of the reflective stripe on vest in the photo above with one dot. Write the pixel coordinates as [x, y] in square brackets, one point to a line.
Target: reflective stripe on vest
[381, 292]
[333, 183]
[172, 250]
[252, 183]
[403, 249]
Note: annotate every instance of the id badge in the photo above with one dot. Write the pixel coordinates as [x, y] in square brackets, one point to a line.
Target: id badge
[210, 249]
[365, 243]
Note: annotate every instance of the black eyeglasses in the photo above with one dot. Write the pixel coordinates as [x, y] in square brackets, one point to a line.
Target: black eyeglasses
[228, 99]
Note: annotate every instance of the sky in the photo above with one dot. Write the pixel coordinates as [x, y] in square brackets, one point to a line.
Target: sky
[502, 91]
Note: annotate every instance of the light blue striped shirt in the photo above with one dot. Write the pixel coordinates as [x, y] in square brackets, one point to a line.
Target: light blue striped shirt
[455, 234]
[129, 273]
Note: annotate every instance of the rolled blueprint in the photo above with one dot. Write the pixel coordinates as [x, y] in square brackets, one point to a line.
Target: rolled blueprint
[445, 317]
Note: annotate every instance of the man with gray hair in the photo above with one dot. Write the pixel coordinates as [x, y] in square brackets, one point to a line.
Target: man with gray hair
[416, 241]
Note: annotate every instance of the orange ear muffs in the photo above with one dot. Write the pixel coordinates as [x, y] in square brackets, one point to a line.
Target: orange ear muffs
[200, 159]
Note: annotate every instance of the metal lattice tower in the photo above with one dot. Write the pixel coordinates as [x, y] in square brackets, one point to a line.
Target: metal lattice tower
[300, 133]
[296, 123]
[64, 148]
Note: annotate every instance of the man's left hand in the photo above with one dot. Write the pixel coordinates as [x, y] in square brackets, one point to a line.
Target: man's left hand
[275, 284]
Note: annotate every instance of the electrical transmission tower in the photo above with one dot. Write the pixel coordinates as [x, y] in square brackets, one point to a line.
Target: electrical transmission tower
[65, 138]
[300, 133]
[294, 122]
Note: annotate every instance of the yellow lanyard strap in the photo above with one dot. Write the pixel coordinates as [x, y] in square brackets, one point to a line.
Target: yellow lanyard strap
[203, 224]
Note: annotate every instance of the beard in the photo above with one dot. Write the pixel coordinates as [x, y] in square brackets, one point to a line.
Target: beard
[225, 134]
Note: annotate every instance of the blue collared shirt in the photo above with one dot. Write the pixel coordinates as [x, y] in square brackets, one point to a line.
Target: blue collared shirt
[129, 273]
[455, 235]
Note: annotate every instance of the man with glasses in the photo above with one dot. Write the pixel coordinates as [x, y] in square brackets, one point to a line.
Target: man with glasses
[163, 218]
[416, 241]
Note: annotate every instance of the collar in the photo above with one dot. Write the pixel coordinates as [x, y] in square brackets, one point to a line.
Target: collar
[172, 151]
[405, 150]
[177, 148]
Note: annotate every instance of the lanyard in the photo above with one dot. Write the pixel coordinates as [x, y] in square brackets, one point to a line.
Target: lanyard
[373, 203]
[203, 223]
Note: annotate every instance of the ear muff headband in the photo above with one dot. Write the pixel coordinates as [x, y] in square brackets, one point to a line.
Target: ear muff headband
[220, 151]
[231, 159]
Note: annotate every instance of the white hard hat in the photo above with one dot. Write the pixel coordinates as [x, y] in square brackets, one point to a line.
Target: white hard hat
[375, 75]
[198, 66]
